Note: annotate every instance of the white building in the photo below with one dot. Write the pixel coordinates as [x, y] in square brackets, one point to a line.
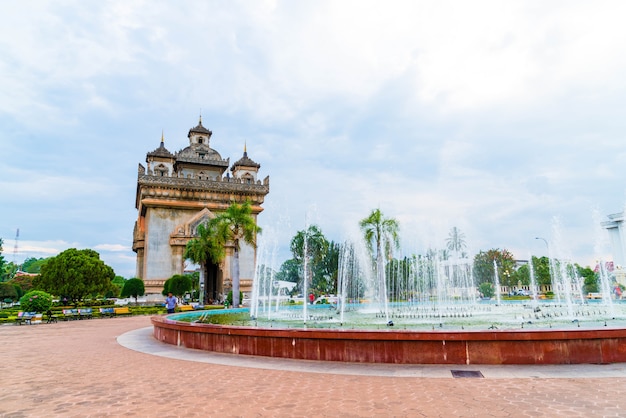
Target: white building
[617, 233]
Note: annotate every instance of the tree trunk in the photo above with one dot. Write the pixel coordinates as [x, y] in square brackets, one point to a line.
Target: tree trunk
[203, 283]
[236, 300]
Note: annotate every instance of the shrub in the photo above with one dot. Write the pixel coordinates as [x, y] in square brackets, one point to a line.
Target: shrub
[229, 298]
[486, 289]
[36, 301]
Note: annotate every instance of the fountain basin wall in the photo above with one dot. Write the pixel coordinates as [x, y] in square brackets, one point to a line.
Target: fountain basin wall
[603, 345]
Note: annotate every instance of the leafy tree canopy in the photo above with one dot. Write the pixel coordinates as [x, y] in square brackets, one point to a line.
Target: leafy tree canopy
[33, 265]
[236, 223]
[521, 275]
[484, 270]
[486, 289]
[313, 240]
[7, 291]
[289, 271]
[118, 281]
[178, 284]
[206, 248]
[133, 288]
[590, 278]
[9, 270]
[321, 256]
[23, 282]
[326, 271]
[541, 268]
[75, 274]
[36, 301]
[2, 262]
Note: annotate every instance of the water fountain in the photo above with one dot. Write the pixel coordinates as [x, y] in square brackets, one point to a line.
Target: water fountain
[434, 316]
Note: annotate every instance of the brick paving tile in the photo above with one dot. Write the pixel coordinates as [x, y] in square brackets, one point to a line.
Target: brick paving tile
[77, 369]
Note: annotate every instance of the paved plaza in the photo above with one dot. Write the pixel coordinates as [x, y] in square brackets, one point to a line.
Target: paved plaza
[112, 367]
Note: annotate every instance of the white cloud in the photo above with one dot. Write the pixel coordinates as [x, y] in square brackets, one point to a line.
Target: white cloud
[111, 247]
[491, 116]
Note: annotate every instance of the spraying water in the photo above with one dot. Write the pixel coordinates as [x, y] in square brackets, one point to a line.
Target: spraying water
[533, 282]
[496, 279]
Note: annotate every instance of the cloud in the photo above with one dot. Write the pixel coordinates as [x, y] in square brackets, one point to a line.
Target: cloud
[111, 247]
[493, 117]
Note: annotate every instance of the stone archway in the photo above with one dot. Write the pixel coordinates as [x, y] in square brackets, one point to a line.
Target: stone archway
[213, 284]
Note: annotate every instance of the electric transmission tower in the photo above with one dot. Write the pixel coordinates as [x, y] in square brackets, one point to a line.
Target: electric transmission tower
[17, 238]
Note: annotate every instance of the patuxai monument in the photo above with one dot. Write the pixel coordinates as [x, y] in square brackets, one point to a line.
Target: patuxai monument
[178, 191]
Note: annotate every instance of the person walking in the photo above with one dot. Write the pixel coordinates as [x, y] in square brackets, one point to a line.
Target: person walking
[170, 302]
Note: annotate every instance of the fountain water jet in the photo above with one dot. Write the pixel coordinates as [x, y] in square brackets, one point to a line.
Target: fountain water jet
[470, 332]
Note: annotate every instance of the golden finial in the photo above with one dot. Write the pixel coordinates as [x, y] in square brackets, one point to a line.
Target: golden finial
[162, 137]
[245, 147]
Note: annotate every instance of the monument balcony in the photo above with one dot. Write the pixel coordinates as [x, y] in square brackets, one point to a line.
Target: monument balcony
[223, 184]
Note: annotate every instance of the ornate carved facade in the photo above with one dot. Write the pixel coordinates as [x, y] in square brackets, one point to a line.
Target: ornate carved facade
[176, 193]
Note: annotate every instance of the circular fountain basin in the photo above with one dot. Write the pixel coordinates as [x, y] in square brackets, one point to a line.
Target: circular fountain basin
[554, 343]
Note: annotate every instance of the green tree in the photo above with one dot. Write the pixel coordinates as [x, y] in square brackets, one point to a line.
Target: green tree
[229, 298]
[116, 287]
[486, 289]
[2, 262]
[8, 293]
[541, 267]
[195, 284]
[380, 233]
[23, 282]
[290, 272]
[314, 243]
[326, 271]
[178, 284]
[133, 288]
[381, 237]
[590, 279]
[36, 301]
[397, 278]
[207, 250]
[33, 265]
[484, 267]
[521, 275]
[236, 224]
[9, 271]
[75, 274]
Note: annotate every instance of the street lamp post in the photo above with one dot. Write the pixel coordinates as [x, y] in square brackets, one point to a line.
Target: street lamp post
[547, 246]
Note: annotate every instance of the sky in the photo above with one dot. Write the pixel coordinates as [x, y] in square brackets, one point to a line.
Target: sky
[503, 119]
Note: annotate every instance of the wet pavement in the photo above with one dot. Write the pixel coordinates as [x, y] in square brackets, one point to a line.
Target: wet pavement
[113, 367]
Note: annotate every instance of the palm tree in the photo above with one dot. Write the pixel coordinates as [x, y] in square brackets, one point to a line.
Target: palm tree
[207, 249]
[380, 233]
[236, 224]
[456, 240]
